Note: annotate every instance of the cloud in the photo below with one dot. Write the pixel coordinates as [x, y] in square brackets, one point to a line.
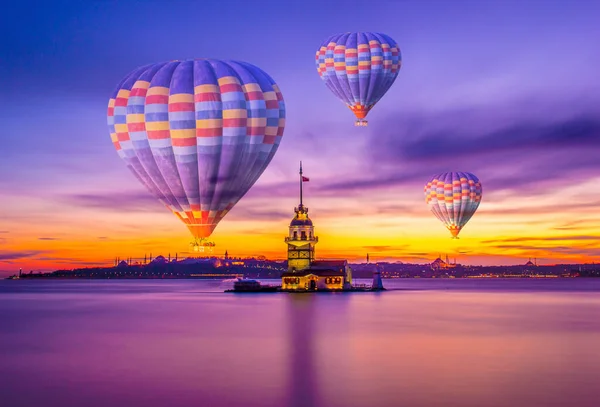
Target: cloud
[74, 261]
[256, 213]
[114, 201]
[419, 254]
[544, 239]
[6, 255]
[48, 238]
[378, 248]
[530, 156]
[286, 188]
[550, 251]
[372, 182]
[578, 132]
[384, 249]
[262, 233]
[543, 209]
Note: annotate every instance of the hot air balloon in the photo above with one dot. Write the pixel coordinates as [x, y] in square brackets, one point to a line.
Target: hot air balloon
[197, 134]
[453, 197]
[359, 68]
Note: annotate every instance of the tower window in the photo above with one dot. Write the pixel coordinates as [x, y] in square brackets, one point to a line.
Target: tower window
[295, 235]
[303, 235]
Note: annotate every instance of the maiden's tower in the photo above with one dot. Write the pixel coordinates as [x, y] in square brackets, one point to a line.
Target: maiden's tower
[304, 272]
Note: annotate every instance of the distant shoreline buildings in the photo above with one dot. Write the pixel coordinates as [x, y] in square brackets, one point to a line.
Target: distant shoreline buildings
[262, 268]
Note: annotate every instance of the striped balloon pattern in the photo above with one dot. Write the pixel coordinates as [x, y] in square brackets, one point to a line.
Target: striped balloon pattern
[359, 68]
[197, 134]
[453, 198]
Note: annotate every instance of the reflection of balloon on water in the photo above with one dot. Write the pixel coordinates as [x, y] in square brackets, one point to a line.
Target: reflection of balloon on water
[453, 197]
[359, 68]
[197, 134]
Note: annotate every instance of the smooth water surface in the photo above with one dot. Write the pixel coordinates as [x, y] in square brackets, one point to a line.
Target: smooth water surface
[186, 343]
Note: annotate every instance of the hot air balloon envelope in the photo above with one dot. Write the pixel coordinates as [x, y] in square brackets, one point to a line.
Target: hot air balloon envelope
[453, 198]
[359, 68]
[197, 134]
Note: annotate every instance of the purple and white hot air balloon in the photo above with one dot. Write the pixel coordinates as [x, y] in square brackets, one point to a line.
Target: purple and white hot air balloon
[359, 68]
[453, 197]
[197, 134]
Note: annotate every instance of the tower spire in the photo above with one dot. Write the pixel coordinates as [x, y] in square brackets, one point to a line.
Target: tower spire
[301, 184]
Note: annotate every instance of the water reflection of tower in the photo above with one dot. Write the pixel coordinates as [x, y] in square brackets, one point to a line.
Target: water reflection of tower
[302, 380]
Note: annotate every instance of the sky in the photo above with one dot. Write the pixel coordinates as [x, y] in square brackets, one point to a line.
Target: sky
[508, 90]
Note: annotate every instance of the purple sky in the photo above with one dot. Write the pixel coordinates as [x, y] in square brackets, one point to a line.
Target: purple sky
[508, 90]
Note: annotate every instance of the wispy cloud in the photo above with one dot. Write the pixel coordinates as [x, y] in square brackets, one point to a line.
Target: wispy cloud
[544, 239]
[114, 201]
[569, 207]
[579, 224]
[72, 261]
[378, 248]
[520, 157]
[48, 238]
[522, 137]
[257, 213]
[544, 250]
[7, 255]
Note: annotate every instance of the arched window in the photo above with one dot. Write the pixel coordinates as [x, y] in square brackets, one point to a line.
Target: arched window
[310, 235]
[303, 235]
[295, 235]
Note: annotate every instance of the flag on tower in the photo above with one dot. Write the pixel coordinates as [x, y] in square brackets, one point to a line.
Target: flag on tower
[305, 179]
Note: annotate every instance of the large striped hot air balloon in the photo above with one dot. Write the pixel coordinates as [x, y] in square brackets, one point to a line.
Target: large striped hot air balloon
[359, 68]
[453, 197]
[197, 134]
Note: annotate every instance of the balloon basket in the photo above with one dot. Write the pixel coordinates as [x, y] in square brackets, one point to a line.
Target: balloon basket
[361, 123]
[202, 247]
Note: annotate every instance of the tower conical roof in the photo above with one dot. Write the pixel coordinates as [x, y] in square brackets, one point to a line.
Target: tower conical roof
[301, 218]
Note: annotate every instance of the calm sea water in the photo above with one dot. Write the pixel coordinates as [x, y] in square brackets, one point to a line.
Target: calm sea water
[186, 343]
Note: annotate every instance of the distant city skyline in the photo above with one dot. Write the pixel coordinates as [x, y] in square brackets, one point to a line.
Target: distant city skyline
[506, 90]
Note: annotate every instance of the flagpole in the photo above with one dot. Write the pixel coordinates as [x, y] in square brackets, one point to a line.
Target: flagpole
[300, 183]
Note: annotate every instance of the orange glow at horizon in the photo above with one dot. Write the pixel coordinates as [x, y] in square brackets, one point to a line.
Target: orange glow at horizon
[505, 231]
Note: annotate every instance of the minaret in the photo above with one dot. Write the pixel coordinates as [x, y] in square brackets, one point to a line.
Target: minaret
[301, 239]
